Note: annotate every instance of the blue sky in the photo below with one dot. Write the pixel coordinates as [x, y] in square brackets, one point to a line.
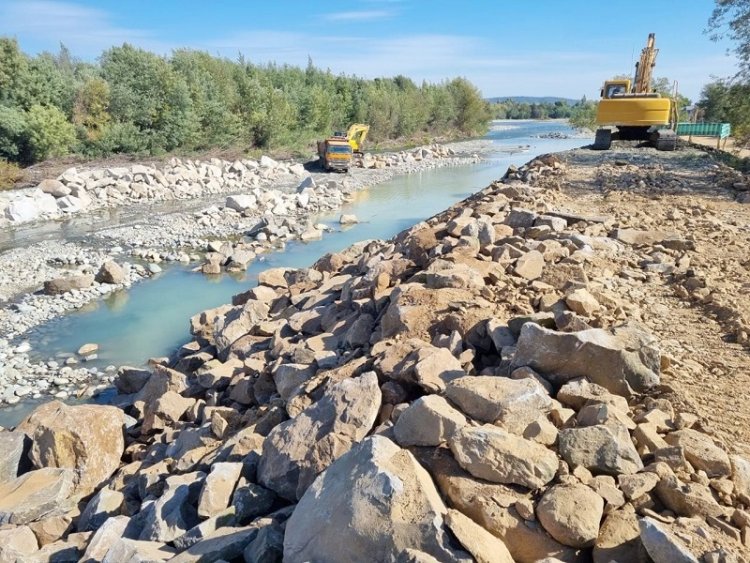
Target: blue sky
[506, 47]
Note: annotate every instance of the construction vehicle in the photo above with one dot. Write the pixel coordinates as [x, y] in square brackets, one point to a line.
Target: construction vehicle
[335, 153]
[341, 150]
[632, 111]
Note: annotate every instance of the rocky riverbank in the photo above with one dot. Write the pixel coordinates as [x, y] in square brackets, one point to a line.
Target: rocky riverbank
[516, 379]
[271, 203]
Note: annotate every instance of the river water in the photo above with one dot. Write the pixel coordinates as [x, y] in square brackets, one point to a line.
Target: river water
[151, 319]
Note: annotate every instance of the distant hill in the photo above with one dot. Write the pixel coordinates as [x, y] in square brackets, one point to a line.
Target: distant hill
[532, 99]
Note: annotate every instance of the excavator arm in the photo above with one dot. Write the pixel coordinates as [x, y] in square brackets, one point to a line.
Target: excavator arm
[356, 136]
[644, 68]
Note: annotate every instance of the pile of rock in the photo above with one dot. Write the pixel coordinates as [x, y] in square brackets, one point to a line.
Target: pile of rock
[406, 158]
[462, 392]
[545, 165]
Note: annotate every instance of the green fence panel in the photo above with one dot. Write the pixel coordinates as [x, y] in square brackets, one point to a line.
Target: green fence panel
[721, 130]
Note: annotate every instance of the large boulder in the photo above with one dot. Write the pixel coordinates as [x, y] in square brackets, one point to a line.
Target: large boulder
[428, 421]
[54, 188]
[63, 285]
[702, 452]
[483, 546]
[21, 210]
[371, 504]
[571, 514]
[491, 453]
[173, 513]
[601, 448]
[110, 272]
[661, 545]
[34, 494]
[241, 202]
[622, 360]
[237, 322]
[86, 438]
[296, 451]
[14, 446]
[509, 402]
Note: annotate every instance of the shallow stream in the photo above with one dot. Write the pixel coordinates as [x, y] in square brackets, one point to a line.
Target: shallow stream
[151, 319]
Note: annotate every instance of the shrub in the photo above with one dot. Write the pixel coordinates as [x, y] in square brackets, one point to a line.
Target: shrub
[10, 173]
[49, 132]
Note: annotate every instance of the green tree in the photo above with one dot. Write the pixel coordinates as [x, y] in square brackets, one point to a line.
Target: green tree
[13, 134]
[734, 16]
[49, 132]
[14, 73]
[472, 112]
[91, 111]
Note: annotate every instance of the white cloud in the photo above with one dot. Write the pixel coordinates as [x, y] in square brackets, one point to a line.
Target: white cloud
[85, 31]
[357, 16]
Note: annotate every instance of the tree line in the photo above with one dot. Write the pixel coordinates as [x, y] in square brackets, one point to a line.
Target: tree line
[728, 100]
[135, 101]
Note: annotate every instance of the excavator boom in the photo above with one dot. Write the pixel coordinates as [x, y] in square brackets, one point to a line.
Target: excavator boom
[644, 68]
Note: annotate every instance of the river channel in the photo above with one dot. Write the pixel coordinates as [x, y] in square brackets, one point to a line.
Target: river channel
[151, 319]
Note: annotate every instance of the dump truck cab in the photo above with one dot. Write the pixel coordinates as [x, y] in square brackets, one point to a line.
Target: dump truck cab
[335, 153]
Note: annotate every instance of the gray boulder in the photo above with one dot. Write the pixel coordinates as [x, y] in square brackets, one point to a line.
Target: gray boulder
[296, 451]
[661, 545]
[622, 360]
[173, 513]
[348, 512]
[512, 402]
[605, 449]
[13, 446]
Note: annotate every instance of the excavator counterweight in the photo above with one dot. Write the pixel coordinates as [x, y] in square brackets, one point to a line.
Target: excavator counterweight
[632, 111]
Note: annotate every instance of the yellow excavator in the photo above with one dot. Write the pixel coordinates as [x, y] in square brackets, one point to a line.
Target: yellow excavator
[341, 150]
[633, 111]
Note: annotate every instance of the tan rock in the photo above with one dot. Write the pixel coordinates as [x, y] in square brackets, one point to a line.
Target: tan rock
[165, 411]
[86, 438]
[17, 543]
[571, 514]
[622, 360]
[619, 539]
[637, 485]
[360, 493]
[492, 507]
[34, 494]
[687, 499]
[530, 265]
[218, 488]
[428, 421]
[483, 546]
[488, 452]
[297, 450]
[577, 392]
[600, 449]
[582, 302]
[702, 452]
[51, 529]
[516, 402]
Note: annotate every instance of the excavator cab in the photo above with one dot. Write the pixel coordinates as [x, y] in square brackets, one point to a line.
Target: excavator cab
[615, 88]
